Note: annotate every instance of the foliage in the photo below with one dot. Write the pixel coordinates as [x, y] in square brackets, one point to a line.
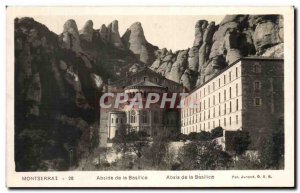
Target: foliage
[156, 152]
[217, 132]
[130, 142]
[245, 162]
[241, 142]
[203, 155]
[272, 151]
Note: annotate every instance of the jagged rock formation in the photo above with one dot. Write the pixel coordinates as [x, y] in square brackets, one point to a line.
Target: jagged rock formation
[86, 32]
[135, 41]
[113, 34]
[52, 80]
[59, 78]
[70, 36]
[217, 46]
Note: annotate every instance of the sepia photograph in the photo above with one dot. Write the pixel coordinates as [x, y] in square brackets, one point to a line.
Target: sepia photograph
[151, 93]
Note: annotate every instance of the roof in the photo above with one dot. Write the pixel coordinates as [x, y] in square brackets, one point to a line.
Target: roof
[143, 70]
[144, 84]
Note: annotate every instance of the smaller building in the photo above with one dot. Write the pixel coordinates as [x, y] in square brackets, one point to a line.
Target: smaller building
[152, 120]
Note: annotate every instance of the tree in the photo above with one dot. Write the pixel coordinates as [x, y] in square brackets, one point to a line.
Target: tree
[272, 152]
[203, 155]
[156, 152]
[203, 136]
[241, 142]
[217, 132]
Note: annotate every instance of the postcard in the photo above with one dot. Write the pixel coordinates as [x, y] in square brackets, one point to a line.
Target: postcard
[178, 97]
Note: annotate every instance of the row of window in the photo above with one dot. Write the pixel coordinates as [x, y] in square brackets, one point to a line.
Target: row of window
[212, 100]
[256, 69]
[116, 120]
[211, 113]
[211, 125]
[144, 116]
[217, 84]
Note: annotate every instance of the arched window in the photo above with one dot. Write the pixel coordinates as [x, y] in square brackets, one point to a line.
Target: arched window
[256, 68]
[132, 117]
[112, 120]
[145, 117]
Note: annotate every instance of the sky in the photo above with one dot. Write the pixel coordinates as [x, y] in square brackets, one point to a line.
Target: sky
[165, 30]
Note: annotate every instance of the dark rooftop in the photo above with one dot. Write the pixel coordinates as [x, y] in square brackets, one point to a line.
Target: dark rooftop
[144, 84]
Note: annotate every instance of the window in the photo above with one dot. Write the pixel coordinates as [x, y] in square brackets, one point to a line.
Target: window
[208, 89]
[219, 83]
[225, 109]
[230, 92]
[208, 113]
[214, 112]
[224, 79]
[224, 95]
[219, 122]
[237, 119]
[156, 118]
[213, 86]
[204, 116]
[224, 121]
[134, 80]
[230, 107]
[219, 97]
[237, 104]
[208, 125]
[214, 100]
[236, 89]
[200, 116]
[145, 78]
[204, 105]
[219, 110]
[132, 117]
[257, 101]
[256, 68]
[117, 120]
[156, 80]
[229, 120]
[229, 76]
[208, 101]
[257, 85]
[204, 91]
[121, 120]
[236, 72]
[213, 124]
[112, 120]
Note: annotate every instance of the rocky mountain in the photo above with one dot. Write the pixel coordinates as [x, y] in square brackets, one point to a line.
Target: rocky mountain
[135, 41]
[217, 46]
[59, 77]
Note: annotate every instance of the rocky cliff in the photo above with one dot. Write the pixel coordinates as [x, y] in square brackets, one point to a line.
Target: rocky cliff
[217, 46]
[59, 77]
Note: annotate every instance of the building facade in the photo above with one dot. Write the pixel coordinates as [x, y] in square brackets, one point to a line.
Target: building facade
[247, 95]
[151, 120]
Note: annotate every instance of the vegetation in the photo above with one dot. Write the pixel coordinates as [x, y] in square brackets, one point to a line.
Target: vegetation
[203, 155]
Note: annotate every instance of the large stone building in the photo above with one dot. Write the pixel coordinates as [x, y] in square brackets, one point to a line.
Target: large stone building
[248, 95]
[133, 118]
